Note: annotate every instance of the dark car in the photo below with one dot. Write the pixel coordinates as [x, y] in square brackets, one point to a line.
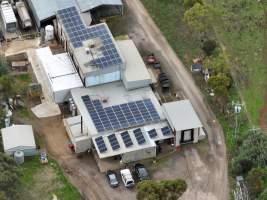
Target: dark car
[112, 178]
[141, 172]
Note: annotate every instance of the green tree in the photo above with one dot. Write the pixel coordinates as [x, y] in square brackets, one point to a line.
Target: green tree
[219, 83]
[252, 153]
[255, 181]
[217, 64]
[190, 3]
[9, 177]
[6, 84]
[3, 66]
[200, 17]
[167, 189]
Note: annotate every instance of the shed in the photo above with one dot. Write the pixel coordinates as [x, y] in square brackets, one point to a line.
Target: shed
[60, 73]
[184, 121]
[19, 138]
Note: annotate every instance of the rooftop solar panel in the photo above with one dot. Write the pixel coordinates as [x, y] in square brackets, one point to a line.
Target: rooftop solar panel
[113, 142]
[77, 33]
[120, 116]
[139, 136]
[166, 130]
[126, 139]
[101, 144]
[152, 133]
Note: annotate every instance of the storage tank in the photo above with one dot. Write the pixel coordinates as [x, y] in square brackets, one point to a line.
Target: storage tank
[49, 33]
[19, 157]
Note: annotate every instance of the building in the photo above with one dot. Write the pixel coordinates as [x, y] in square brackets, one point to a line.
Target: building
[45, 11]
[19, 138]
[118, 122]
[184, 122]
[93, 49]
[135, 74]
[59, 72]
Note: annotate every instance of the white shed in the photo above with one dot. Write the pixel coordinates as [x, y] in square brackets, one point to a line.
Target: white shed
[184, 121]
[19, 138]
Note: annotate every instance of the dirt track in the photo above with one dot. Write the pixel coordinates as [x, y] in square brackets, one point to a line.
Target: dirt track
[212, 184]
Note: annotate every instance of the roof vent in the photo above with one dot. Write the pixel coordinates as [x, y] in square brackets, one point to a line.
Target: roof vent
[87, 50]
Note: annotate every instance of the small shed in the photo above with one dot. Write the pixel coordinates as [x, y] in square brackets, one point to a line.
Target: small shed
[19, 138]
[184, 121]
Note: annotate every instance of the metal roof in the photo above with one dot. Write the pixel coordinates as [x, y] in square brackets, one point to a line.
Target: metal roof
[18, 136]
[46, 9]
[181, 115]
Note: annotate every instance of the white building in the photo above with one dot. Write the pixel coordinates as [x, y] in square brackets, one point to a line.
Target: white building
[19, 138]
[93, 48]
[184, 122]
[59, 72]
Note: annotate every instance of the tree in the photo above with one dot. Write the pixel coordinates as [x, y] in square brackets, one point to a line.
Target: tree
[217, 64]
[167, 189]
[263, 195]
[219, 83]
[3, 66]
[6, 84]
[200, 17]
[190, 3]
[255, 181]
[209, 46]
[252, 153]
[9, 177]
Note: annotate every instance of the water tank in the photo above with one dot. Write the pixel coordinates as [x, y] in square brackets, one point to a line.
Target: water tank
[49, 33]
[19, 157]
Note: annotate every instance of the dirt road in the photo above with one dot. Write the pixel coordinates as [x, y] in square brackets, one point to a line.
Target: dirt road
[212, 184]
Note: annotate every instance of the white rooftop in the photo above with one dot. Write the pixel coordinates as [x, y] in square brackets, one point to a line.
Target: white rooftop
[59, 69]
[135, 69]
[181, 115]
[18, 136]
[8, 14]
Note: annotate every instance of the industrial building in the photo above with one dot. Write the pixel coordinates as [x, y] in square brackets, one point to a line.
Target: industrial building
[19, 138]
[44, 12]
[59, 72]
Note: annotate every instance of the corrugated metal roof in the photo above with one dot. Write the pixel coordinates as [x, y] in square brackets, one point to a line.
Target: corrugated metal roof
[45, 9]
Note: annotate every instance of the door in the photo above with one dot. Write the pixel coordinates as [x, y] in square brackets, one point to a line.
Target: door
[187, 136]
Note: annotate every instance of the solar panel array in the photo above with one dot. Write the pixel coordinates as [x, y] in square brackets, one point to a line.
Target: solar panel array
[113, 142]
[139, 136]
[166, 130]
[126, 139]
[78, 33]
[101, 144]
[152, 133]
[120, 116]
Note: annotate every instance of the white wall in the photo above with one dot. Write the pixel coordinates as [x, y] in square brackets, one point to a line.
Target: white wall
[139, 155]
[102, 78]
[28, 151]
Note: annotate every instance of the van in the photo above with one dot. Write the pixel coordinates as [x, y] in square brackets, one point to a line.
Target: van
[127, 178]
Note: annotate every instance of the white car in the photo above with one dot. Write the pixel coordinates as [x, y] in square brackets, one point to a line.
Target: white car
[127, 178]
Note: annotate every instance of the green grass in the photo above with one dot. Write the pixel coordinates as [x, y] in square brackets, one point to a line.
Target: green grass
[42, 181]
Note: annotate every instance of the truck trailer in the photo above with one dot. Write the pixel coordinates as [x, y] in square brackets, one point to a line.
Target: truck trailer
[24, 15]
[8, 16]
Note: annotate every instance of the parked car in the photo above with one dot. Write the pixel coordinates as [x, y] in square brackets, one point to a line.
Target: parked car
[141, 172]
[127, 178]
[112, 178]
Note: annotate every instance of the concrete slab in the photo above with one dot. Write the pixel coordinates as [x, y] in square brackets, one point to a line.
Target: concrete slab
[46, 109]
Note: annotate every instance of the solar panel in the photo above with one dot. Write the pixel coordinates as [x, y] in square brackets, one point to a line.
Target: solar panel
[101, 144]
[166, 130]
[126, 139]
[139, 136]
[152, 133]
[78, 32]
[113, 142]
[120, 116]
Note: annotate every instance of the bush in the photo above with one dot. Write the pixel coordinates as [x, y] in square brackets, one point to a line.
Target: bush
[263, 195]
[190, 3]
[167, 189]
[255, 181]
[209, 46]
[9, 177]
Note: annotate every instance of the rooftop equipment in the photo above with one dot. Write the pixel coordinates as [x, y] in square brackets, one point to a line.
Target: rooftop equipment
[8, 16]
[24, 15]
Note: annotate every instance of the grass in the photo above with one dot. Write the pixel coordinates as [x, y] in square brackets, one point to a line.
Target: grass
[42, 181]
